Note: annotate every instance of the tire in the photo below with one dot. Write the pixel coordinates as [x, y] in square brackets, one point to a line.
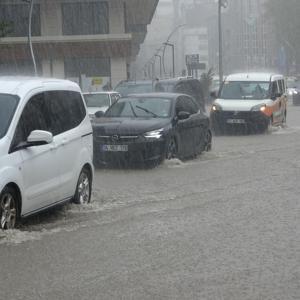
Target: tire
[84, 187]
[171, 150]
[8, 208]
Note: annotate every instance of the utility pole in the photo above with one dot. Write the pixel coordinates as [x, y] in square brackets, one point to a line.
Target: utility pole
[221, 3]
[29, 38]
[173, 57]
[30, 2]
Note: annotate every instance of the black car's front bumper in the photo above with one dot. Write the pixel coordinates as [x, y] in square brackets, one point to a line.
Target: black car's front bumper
[139, 150]
[223, 119]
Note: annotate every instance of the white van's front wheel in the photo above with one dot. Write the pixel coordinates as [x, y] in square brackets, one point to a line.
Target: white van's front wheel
[84, 187]
[8, 208]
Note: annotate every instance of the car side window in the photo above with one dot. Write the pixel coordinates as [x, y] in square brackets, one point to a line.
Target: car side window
[187, 104]
[180, 106]
[193, 107]
[34, 117]
[66, 110]
[274, 89]
[281, 86]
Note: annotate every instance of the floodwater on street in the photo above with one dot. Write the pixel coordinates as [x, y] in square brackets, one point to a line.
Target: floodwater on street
[222, 226]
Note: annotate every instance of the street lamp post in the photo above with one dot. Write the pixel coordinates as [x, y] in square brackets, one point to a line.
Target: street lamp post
[30, 34]
[29, 37]
[221, 3]
[173, 57]
[172, 45]
[160, 66]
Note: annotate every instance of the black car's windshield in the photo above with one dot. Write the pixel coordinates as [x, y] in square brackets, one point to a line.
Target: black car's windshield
[248, 90]
[8, 104]
[126, 89]
[96, 100]
[140, 108]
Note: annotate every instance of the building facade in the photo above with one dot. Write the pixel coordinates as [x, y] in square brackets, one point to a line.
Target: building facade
[248, 38]
[89, 41]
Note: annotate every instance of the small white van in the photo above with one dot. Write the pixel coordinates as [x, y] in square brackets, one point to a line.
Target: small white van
[46, 146]
[255, 100]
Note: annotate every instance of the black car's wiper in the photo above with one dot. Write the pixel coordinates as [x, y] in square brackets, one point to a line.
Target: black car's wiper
[147, 111]
[132, 109]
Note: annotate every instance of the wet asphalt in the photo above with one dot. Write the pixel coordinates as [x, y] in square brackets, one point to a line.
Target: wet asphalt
[223, 226]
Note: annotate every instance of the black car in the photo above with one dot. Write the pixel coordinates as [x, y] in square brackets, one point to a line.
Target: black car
[147, 128]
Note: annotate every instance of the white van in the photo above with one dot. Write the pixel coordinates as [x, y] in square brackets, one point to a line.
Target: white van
[46, 146]
[255, 100]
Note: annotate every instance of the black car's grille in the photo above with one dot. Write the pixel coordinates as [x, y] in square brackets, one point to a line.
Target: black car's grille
[117, 138]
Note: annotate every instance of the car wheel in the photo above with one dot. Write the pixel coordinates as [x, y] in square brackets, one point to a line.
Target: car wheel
[83, 188]
[171, 151]
[208, 141]
[8, 208]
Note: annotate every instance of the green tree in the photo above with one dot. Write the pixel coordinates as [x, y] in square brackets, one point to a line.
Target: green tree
[284, 15]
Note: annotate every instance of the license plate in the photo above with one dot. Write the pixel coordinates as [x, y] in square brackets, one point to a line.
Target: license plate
[236, 121]
[115, 148]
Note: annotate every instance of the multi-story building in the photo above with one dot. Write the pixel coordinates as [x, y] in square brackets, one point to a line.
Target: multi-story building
[89, 41]
[248, 40]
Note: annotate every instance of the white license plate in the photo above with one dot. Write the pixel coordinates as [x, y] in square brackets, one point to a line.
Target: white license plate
[115, 148]
[236, 121]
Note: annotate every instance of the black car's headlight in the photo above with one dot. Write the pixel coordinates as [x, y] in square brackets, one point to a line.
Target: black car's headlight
[154, 134]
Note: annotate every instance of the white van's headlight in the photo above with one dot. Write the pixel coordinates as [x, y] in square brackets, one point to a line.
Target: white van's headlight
[216, 107]
[155, 134]
[260, 107]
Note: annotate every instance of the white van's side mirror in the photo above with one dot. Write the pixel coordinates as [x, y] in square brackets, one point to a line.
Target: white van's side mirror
[40, 137]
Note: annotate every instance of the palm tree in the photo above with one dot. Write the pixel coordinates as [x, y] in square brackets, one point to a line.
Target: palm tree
[206, 80]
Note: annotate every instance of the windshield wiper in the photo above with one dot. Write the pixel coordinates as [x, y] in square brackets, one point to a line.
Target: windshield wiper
[147, 111]
[132, 109]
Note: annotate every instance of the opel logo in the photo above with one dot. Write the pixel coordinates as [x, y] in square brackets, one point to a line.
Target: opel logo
[235, 113]
[115, 138]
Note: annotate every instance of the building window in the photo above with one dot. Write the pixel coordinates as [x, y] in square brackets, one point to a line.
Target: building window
[85, 18]
[74, 67]
[19, 67]
[16, 16]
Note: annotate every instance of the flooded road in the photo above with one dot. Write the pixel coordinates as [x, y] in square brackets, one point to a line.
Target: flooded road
[222, 226]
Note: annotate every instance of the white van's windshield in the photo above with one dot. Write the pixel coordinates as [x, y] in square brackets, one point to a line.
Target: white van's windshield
[248, 90]
[8, 104]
